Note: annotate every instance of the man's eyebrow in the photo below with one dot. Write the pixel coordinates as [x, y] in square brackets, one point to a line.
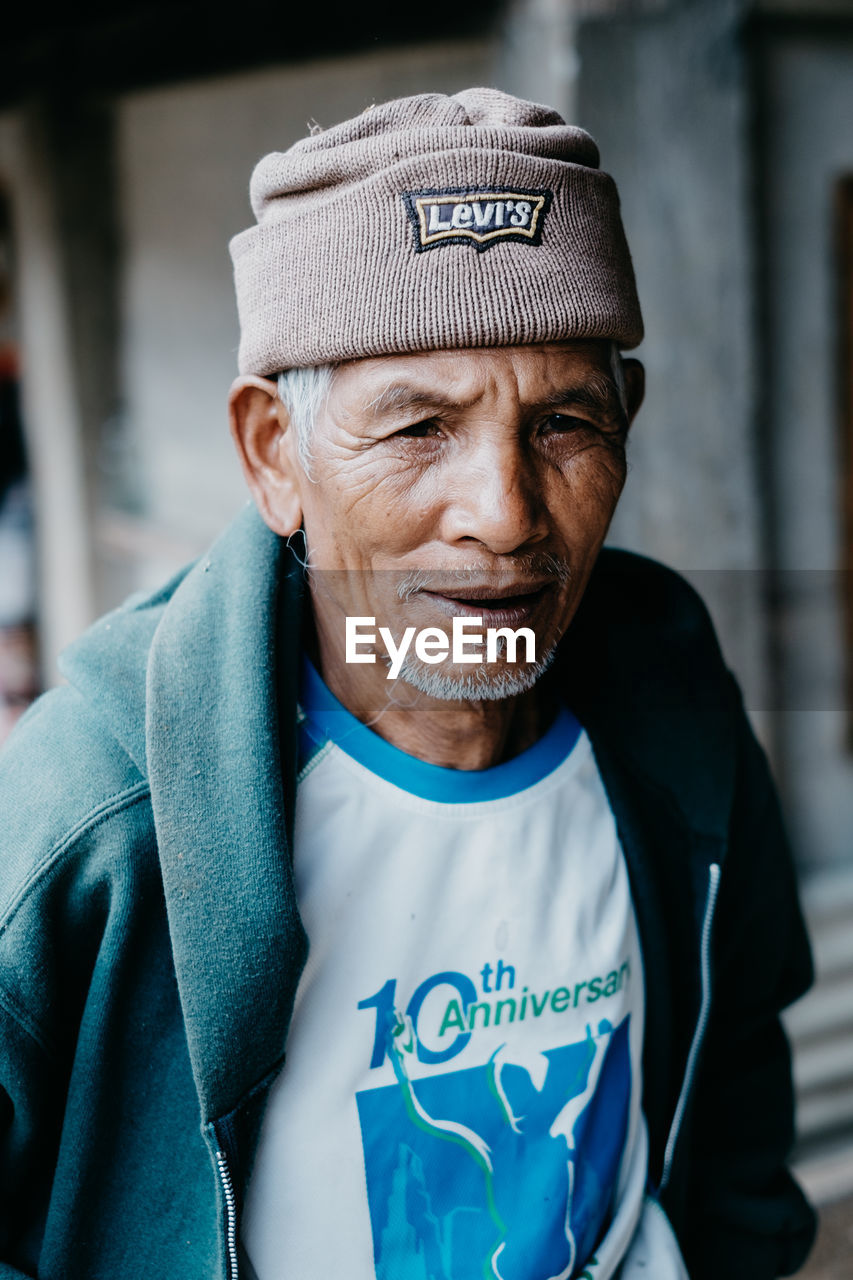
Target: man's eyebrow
[399, 396]
[598, 393]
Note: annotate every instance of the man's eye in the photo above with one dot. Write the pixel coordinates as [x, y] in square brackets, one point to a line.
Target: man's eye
[565, 422]
[419, 430]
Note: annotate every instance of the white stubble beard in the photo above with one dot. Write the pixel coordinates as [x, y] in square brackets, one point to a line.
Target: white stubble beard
[479, 686]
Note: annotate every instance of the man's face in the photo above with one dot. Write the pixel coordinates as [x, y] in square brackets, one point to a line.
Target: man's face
[475, 483]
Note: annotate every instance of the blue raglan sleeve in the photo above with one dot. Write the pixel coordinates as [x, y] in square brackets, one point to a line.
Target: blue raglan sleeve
[748, 1219]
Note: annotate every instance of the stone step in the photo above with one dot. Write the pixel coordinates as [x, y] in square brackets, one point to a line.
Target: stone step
[832, 944]
[822, 1117]
[826, 1009]
[827, 1176]
[828, 894]
[824, 1064]
[821, 1025]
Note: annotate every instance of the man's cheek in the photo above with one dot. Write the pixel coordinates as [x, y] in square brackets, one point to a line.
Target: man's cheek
[371, 498]
[596, 483]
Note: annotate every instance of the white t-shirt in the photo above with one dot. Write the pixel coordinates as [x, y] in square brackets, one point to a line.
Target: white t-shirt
[461, 1093]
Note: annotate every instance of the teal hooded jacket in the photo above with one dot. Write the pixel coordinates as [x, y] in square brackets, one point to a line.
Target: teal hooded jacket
[151, 946]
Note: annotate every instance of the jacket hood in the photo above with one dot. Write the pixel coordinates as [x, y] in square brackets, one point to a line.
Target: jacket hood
[108, 665]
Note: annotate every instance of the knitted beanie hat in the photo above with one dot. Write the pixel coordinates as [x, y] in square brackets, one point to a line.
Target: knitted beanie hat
[432, 222]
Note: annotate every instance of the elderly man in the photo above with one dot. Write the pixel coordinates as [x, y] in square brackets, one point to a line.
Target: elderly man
[400, 892]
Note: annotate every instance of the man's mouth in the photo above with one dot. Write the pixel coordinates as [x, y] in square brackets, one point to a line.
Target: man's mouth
[506, 605]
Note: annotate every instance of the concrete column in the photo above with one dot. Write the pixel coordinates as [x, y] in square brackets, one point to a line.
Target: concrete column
[52, 163]
[538, 57]
[665, 90]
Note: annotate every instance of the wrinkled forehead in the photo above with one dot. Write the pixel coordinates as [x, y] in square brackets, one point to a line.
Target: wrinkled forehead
[527, 374]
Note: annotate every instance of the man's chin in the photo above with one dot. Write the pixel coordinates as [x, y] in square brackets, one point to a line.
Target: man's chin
[493, 683]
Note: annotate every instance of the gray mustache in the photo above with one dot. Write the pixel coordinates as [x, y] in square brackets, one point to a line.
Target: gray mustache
[532, 565]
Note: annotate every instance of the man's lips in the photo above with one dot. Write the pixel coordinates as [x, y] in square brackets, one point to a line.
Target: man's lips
[507, 605]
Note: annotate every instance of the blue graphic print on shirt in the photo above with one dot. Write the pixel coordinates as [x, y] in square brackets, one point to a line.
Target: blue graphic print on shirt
[498, 1172]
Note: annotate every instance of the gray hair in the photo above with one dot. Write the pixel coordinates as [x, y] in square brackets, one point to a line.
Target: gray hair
[304, 393]
[617, 369]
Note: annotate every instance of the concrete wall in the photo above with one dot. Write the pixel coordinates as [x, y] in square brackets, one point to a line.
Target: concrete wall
[808, 107]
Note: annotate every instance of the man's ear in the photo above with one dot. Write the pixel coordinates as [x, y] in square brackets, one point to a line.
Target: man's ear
[260, 427]
[635, 385]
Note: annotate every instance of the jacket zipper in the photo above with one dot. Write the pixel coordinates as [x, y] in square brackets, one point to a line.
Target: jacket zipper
[701, 1023]
[230, 1214]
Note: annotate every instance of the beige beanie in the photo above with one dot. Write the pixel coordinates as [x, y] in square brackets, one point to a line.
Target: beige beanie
[432, 222]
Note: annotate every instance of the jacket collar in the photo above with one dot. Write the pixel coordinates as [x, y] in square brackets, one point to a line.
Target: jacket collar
[642, 669]
[213, 751]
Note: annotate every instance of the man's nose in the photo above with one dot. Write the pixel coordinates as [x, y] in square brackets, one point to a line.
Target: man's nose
[497, 500]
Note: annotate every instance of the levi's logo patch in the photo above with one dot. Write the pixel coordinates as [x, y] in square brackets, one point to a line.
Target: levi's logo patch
[478, 216]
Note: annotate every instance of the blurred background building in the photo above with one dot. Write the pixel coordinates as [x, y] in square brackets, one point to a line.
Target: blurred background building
[127, 136]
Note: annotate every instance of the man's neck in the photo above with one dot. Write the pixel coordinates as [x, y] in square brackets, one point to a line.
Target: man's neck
[455, 734]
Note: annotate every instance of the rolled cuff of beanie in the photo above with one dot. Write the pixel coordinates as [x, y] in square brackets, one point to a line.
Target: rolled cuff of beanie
[344, 277]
